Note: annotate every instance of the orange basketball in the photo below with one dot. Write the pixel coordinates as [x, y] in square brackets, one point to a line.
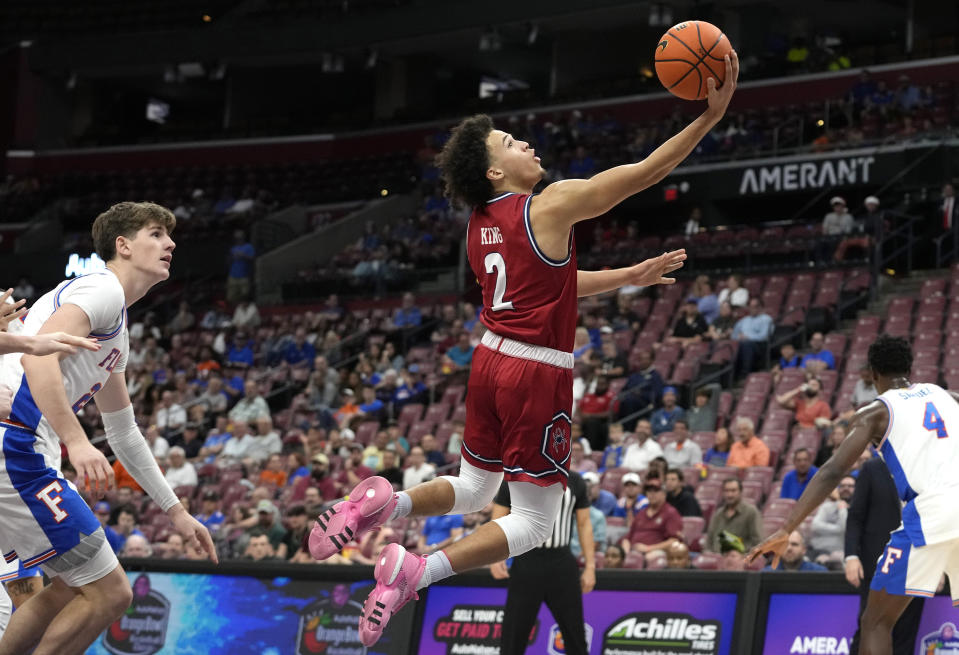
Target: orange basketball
[688, 54]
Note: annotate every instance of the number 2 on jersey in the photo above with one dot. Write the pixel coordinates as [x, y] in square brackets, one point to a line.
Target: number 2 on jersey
[933, 421]
[495, 262]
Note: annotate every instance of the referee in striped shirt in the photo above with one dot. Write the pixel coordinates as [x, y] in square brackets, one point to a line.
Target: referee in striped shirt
[549, 573]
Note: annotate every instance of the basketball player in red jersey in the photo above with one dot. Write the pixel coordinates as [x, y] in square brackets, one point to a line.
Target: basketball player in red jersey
[519, 400]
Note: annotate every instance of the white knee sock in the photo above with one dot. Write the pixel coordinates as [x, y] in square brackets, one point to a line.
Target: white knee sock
[438, 567]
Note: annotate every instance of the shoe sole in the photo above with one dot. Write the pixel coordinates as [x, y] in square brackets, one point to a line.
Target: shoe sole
[333, 530]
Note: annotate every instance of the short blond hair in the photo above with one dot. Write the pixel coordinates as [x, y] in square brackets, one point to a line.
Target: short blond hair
[126, 219]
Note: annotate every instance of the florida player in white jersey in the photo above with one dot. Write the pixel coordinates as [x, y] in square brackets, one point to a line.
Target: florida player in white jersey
[43, 519]
[915, 427]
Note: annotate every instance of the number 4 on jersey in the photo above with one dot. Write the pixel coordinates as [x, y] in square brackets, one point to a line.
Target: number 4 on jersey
[933, 421]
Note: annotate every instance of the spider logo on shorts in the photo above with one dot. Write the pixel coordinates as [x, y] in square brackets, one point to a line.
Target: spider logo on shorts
[558, 439]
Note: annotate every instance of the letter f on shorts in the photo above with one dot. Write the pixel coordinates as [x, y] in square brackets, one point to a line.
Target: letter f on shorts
[892, 554]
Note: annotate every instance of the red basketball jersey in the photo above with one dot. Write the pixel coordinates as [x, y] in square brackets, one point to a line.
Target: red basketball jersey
[526, 295]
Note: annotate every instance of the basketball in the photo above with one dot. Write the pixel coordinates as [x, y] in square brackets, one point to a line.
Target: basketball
[688, 54]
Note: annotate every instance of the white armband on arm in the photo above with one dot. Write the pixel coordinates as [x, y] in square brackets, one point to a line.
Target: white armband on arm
[132, 450]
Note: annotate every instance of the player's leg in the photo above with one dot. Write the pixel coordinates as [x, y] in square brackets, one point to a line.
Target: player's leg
[907, 628]
[524, 595]
[373, 502]
[31, 619]
[565, 601]
[94, 607]
[882, 611]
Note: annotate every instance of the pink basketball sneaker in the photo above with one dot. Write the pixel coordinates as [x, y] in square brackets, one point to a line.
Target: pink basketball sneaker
[397, 573]
[368, 506]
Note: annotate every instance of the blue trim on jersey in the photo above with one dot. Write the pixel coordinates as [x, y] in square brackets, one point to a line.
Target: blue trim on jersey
[910, 515]
[500, 197]
[24, 409]
[532, 240]
[104, 337]
[30, 475]
[56, 298]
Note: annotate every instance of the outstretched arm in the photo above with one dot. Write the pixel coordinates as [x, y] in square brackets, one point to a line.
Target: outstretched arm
[867, 426]
[564, 203]
[643, 274]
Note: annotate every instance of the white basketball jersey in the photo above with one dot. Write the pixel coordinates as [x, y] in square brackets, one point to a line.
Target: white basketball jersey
[101, 297]
[921, 450]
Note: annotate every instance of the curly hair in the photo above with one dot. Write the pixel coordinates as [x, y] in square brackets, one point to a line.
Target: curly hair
[464, 160]
[890, 355]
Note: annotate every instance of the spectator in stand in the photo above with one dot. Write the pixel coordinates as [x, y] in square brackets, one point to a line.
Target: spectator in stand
[190, 441]
[391, 470]
[787, 359]
[182, 321]
[718, 454]
[599, 498]
[122, 477]
[838, 221]
[734, 516]
[615, 556]
[258, 447]
[827, 536]
[210, 515]
[693, 223]
[242, 256]
[865, 390]
[323, 384]
[578, 461]
[172, 548]
[642, 389]
[753, 332]
[722, 328]
[408, 314]
[684, 451]
[300, 352]
[180, 473]
[666, 416]
[598, 522]
[296, 464]
[433, 454]
[460, 356]
[734, 557]
[439, 532]
[677, 557]
[631, 501]
[125, 526]
[835, 437]
[735, 293]
[582, 345]
[615, 451]
[214, 399]
[268, 522]
[170, 416]
[260, 548]
[372, 408]
[794, 558]
[701, 417]
[373, 454]
[748, 450]
[656, 526]
[137, 545]
[795, 482]
[646, 449]
[274, 472]
[680, 495]
[811, 410]
[25, 290]
[691, 326]
[101, 509]
[707, 302]
[246, 316]
[594, 411]
[613, 364]
[581, 166]
[348, 409]
[240, 355]
[252, 406]
[297, 519]
[818, 359]
[353, 471]
[417, 468]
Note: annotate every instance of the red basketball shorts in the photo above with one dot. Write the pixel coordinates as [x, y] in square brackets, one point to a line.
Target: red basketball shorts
[518, 418]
